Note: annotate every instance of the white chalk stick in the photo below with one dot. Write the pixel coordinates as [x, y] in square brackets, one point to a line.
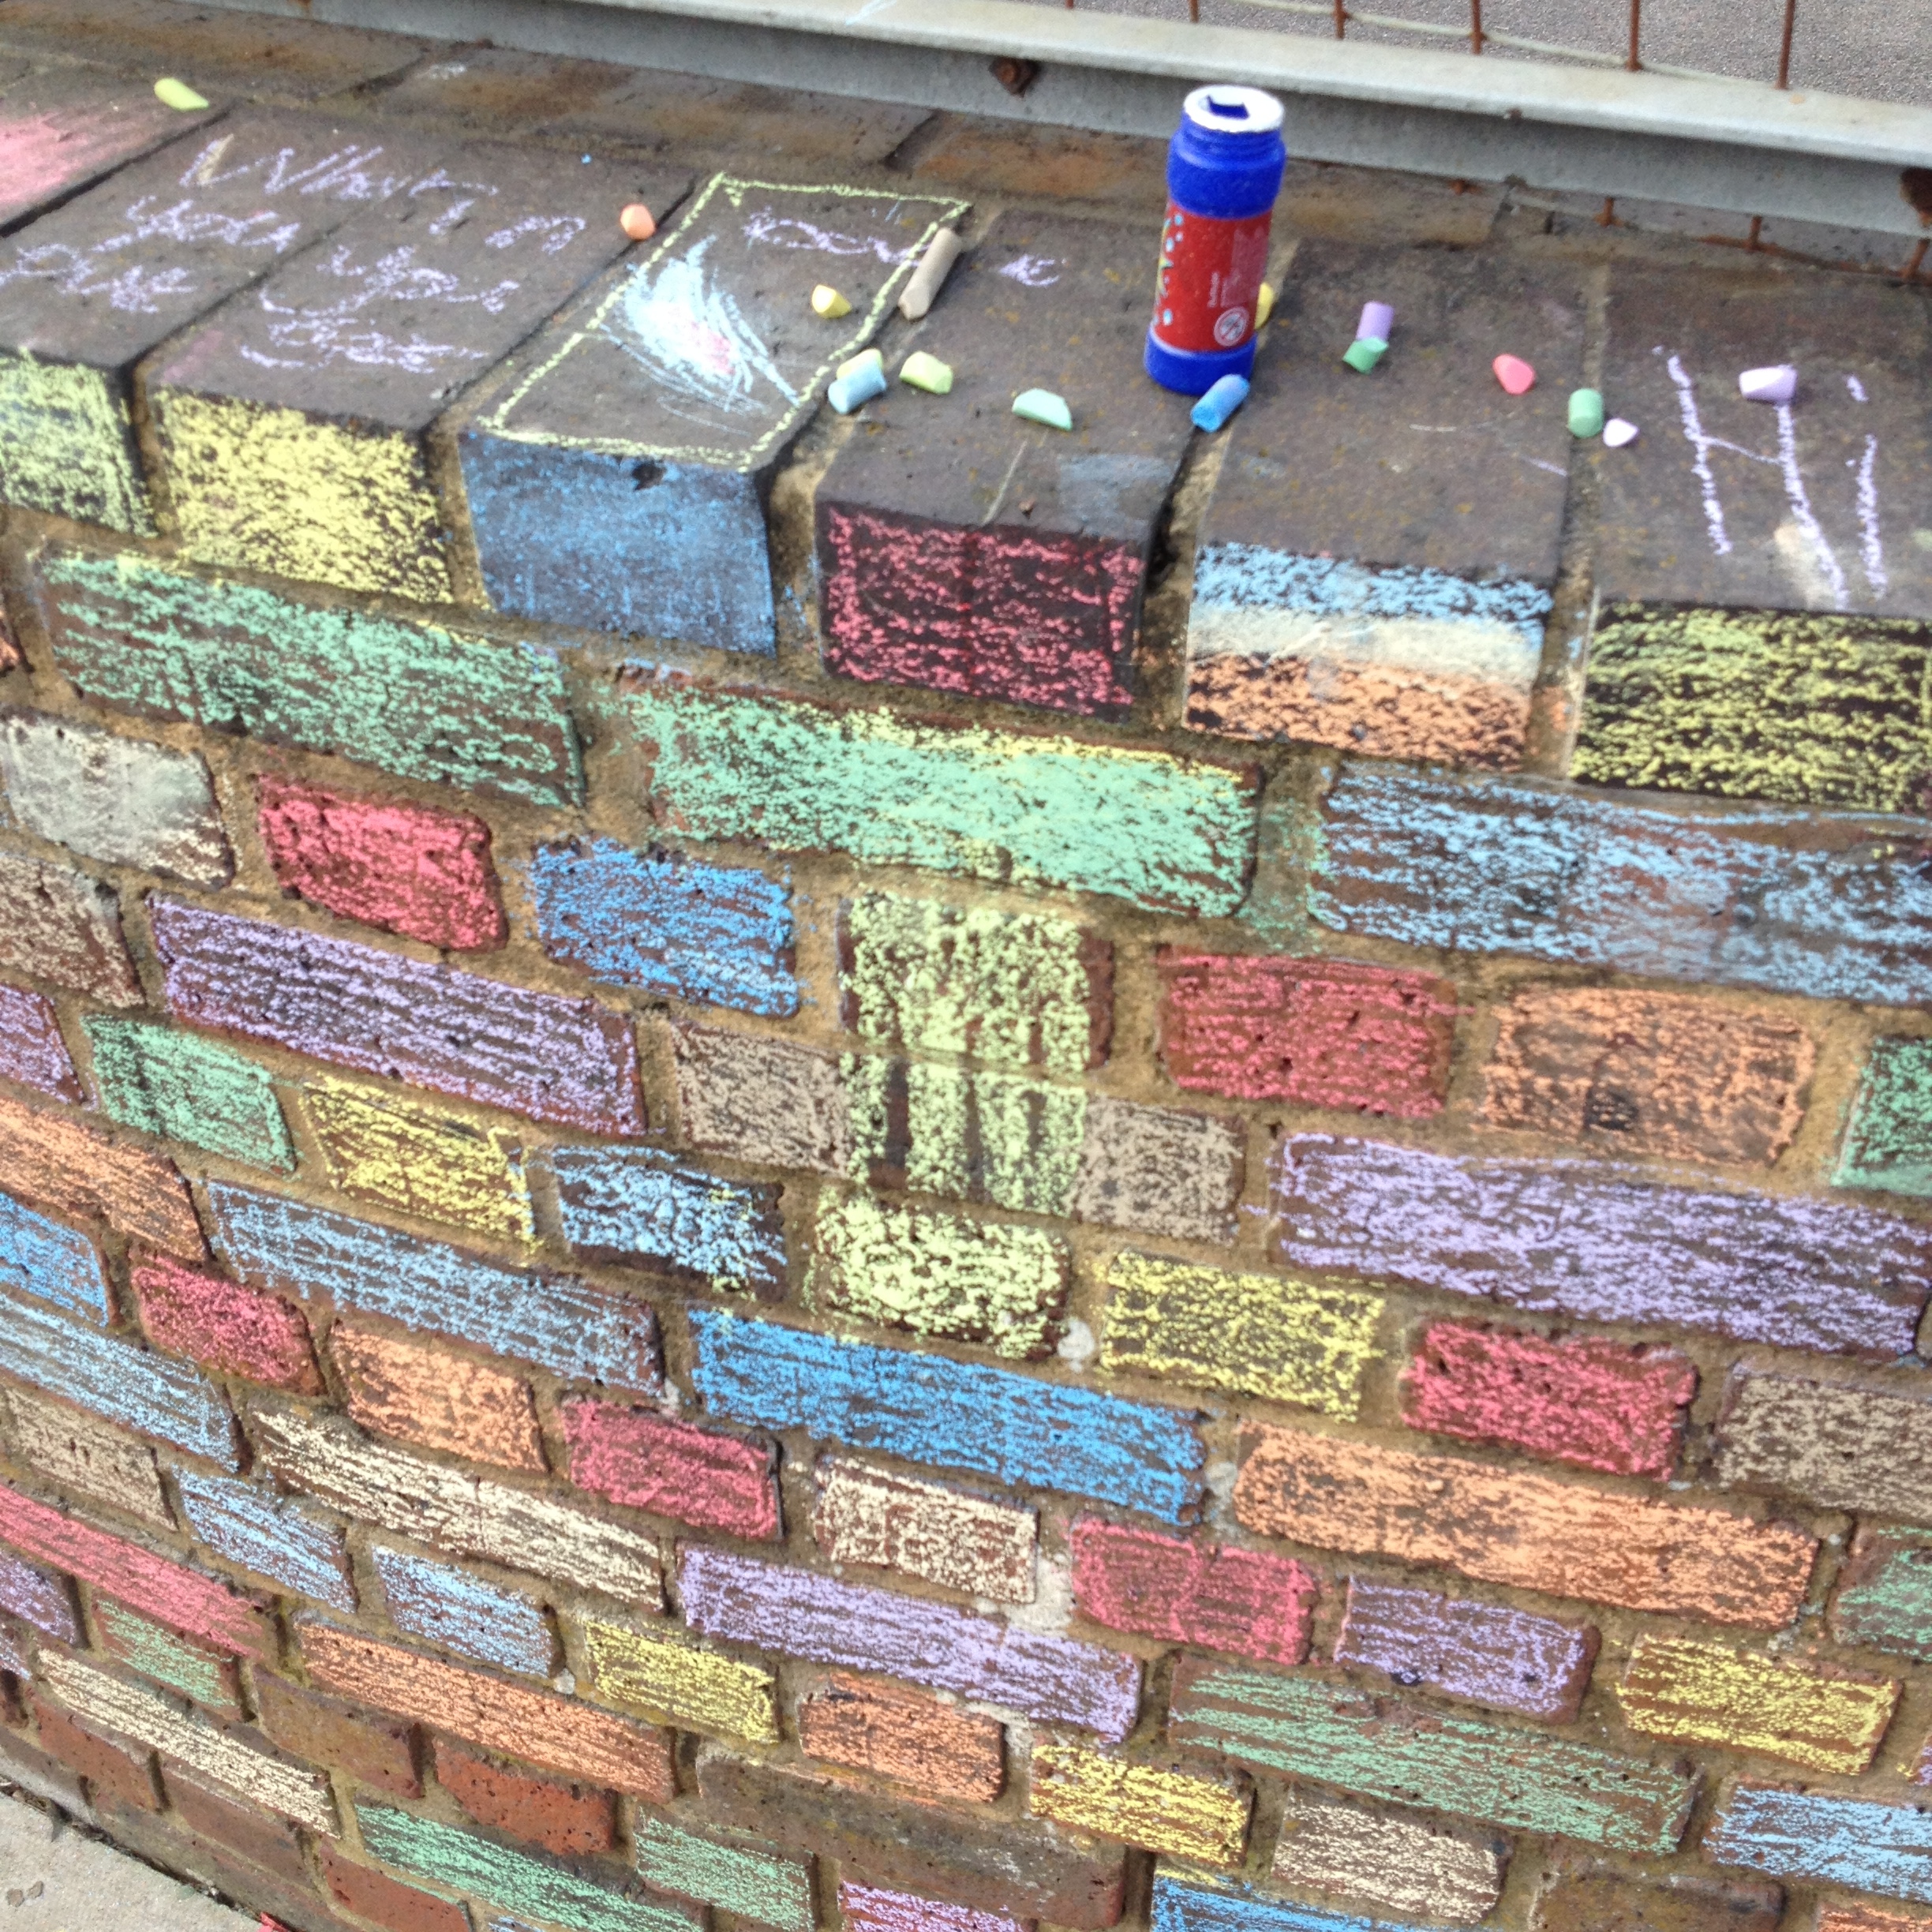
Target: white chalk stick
[1778, 384]
[920, 293]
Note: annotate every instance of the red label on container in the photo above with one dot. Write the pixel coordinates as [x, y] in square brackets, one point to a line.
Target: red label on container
[1209, 279]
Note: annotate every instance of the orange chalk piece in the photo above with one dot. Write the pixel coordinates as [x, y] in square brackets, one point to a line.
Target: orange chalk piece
[637, 222]
[1514, 374]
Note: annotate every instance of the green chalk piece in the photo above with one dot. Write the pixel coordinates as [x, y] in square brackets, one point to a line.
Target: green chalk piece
[1889, 1143]
[1042, 405]
[1586, 412]
[928, 372]
[753, 1883]
[188, 1088]
[1364, 352]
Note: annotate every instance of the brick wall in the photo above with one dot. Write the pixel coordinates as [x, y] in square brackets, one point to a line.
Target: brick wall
[744, 1180]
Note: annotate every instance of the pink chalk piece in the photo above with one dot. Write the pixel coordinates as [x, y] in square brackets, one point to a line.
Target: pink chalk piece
[1377, 318]
[1514, 374]
[1778, 384]
[1617, 433]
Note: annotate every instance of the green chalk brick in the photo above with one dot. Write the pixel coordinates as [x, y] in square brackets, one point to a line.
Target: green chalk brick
[1885, 1598]
[1171, 834]
[188, 1088]
[1807, 708]
[757, 1885]
[1889, 1143]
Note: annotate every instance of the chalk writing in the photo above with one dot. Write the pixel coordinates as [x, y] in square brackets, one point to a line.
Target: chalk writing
[788, 231]
[1032, 271]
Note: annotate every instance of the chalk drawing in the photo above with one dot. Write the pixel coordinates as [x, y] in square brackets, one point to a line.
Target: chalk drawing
[1031, 271]
[562, 229]
[789, 231]
[1801, 508]
[1857, 389]
[1693, 433]
[1535, 463]
[1871, 546]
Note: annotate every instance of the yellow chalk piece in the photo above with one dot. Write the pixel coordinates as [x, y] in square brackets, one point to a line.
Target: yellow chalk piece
[866, 358]
[827, 301]
[1162, 1810]
[928, 372]
[1264, 304]
[675, 1681]
[172, 93]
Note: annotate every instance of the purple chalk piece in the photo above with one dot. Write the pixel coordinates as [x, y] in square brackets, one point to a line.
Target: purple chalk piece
[1377, 319]
[1778, 384]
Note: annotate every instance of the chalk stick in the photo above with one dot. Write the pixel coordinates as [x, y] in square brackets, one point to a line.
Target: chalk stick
[915, 300]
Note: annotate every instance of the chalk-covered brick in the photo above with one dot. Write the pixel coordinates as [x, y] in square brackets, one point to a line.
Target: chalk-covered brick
[1605, 1406]
[567, 1818]
[1523, 1531]
[1840, 1447]
[80, 1174]
[862, 1515]
[114, 1770]
[178, 1085]
[651, 1461]
[225, 1325]
[208, 1677]
[1388, 1860]
[663, 1672]
[461, 1612]
[1163, 1809]
[1825, 1838]
[72, 1450]
[1174, 1174]
[1888, 1144]
[375, 1895]
[874, 1908]
[32, 1050]
[38, 1596]
[271, 1535]
[1320, 1033]
[121, 799]
[1884, 1597]
[449, 1402]
[752, 1881]
[1284, 1339]
[374, 1750]
[1837, 1917]
[937, 1749]
[384, 862]
[798, 1613]
[60, 1265]
[58, 924]
[761, 1100]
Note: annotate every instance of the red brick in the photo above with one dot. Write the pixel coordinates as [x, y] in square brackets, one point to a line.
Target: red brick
[232, 1329]
[116, 1770]
[1320, 1033]
[651, 1461]
[80, 1174]
[373, 1749]
[569, 1819]
[59, 924]
[442, 1402]
[32, 1050]
[1599, 1405]
[375, 1895]
[35, 1771]
[1866, 1919]
[258, 1835]
[406, 868]
[942, 1752]
[1601, 1901]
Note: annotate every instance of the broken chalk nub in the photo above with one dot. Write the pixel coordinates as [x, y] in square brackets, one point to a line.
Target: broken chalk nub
[866, 380]
[1586, 412]
[1363, 352]
[1514, 374]
[920, 293]
[1617, 433]
[1769, 385]
[1042, 405]
[178, 94]
[827, 301]
[637, 222]
[1378, 319]
[1264, 304]
[1212, 411]
[928, 372]
[866, 358]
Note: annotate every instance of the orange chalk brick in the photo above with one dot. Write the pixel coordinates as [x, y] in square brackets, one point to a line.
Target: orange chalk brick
[78, 1174]
[441, 1401]
[869, 1727]
[1526, 1531]
[1865, 1918]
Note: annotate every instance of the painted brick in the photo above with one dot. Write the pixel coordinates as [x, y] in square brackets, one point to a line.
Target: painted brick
[32, 1050]
[225, 1325]
[766, 1101]
[1884, 1597]
[569, 1061]
[463, 1612]
[43, 1599]
[374, 1750]
[397, 1907]
[1598, 1404]
[579, 1332]
[1287, 1341]
[60, 129]
[412, 698]
[1505, 1659]
[1014, 990]
[655, 1462]
[797, 1613]
[270, 1535]
[69, 1447]
[1164, 1810]
[1020, 1868]
[1210, 1594]
[268, 1842]
[121, 800]
[225, 1756]
[407, 868]
[59, 924]
[174, 1084]
[1397, 1754]
[1825, 1838]
[938, 1276]
[555, 1894]
[663, 1672]
[208, 1677]
[452, 1510]
[437, 1401]
[717, 935]
[557, 1733]
[1563, 1238]
[1320, 1033]
[1172, 1173]
[1848, 1448]
[1889, 1143]
[1388, 1860]
[959, 1415]
[1526, 1532]
[1820, 904]
[420, 1163]
[871, 1909]
[39, 1257]
[940, 1751]
[753, 1882]
[1862, 1918]
[1663, 1075]
[637, 1204]
[112, 1770]
[568, 1819]
[1166, 834]
[865, 1515]
[1609, 1900]
[1824, 1720]
[81, 1175]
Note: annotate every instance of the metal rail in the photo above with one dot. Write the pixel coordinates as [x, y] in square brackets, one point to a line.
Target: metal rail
[1714, 142]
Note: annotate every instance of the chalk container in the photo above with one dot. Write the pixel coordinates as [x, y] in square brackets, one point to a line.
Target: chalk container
[1224, 169]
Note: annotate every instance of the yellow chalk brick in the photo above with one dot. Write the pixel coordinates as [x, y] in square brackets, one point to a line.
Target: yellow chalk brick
[675, 1681]
[1163, 1810]
[1705, 1693]
[420, 1162]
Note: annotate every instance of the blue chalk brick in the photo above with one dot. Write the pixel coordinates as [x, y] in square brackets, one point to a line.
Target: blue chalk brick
[271, 1536]
[637, 1204]
[1826, 1840]
[960, 1415]
[463, 1612]
[575, 1331]
[1181, 1906]
[40, 1257]
[668, 923]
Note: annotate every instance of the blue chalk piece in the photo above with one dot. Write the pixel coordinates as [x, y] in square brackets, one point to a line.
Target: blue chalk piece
[861, 386]
[1822, 1839]
[637, 1204]
[59, 1265]
[958, 1415]
[271, 1536]
[1205, 1905]
[1212, 411]
[635, 544]
[671, 924]
[462, 1612]
[582, 1333]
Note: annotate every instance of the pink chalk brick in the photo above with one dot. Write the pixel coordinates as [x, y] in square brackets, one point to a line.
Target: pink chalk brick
[1221, 1598]
[32, 1050]
[1320, 1033]
[653, 1462]
[866, 1908]
[1599, 1405]
[226, 1327]
[406, 868]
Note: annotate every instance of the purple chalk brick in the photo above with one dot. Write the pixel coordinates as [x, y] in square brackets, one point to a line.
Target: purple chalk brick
[800, 1613]
[32, 1050]
[1560, 1238]
[38, 1596]
[1505, 1659]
